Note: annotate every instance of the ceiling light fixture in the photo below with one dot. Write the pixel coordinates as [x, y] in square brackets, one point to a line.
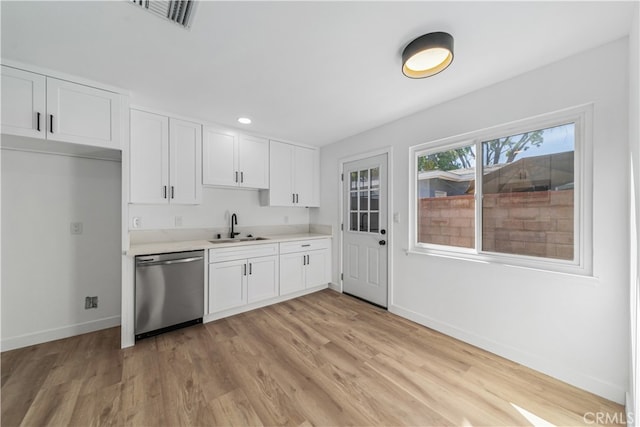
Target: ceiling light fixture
[427, 55]
[244, 120]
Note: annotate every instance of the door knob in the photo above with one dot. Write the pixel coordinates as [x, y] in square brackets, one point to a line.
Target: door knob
[382, 242]
[383, 231]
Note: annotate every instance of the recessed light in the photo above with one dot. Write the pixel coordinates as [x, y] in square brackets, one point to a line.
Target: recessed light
[244, 120]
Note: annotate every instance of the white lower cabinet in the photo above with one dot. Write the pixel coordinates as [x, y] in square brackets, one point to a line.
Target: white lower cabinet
[304, 264]
[242, 275]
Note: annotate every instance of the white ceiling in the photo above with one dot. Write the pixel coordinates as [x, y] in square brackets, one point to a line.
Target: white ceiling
[310, 72]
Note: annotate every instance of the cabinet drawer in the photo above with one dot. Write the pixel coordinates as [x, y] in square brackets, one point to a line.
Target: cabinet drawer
[242, 252]
[304, 245]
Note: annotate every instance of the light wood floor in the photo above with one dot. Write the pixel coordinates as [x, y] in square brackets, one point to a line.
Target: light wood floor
[323, 359]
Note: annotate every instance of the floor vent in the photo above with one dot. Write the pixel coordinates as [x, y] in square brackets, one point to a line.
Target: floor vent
[179, 12]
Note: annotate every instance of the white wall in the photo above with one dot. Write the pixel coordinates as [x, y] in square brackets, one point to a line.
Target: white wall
[46, 271]
[214, 212]
[573, 328]
[633, 406]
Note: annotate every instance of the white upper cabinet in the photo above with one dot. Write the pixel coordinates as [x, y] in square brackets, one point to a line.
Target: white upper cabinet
[185, 162]
[165, 160]
[293, 176]
[23, 103]
[235, 161]
[253, 162]
[218, 158]
[44, 107]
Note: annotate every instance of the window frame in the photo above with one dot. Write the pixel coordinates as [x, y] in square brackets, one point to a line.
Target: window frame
[582, 264]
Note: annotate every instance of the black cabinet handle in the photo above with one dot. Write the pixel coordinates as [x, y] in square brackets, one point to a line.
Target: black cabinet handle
[164, 191]
[308, 260]
[297, 198]
[51, 123]
[172, 192]
[236, 176]
[304, 260]
[38, 122]
[293, 198]
[244, 273]
[241, 176]
[250, 269]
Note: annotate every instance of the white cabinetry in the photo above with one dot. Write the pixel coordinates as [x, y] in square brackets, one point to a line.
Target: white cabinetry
[235, 160]
[43, 107]
[293, 176]
[165, 159]
[242, 275]
[304, 264]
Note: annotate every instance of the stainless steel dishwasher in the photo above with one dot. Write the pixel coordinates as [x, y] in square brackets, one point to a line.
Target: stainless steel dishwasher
[169, 292]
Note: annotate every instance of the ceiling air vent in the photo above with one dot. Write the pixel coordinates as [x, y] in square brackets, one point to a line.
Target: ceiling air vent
[180, 12]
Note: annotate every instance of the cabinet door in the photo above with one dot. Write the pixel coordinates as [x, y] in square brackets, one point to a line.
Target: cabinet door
[316, 268]
[253, 162]
[262, 279]
[149, 157]
[281, 174]
[227, 285]
[82, 114]
[23, 103]
[306, 177]
[219, 161]
[185, 162]
[291, 273]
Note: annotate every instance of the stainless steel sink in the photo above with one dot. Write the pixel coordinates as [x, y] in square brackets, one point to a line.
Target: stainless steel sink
[238, 239]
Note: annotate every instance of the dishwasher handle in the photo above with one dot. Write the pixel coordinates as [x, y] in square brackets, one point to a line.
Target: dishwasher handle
[149, 263]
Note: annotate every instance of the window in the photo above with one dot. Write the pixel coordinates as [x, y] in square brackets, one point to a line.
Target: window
[513, 194]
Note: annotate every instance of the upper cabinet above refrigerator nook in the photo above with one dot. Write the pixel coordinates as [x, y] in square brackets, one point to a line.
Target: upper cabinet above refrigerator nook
[42, 107]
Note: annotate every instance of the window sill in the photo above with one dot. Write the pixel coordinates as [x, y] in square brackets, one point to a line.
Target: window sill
[510, 262]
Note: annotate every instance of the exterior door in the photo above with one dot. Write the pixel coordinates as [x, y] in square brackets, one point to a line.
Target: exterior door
[365, 235]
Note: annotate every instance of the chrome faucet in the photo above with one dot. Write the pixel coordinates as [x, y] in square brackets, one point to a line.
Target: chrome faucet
[234, 221]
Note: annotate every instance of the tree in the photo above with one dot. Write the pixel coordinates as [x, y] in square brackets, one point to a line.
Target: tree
[495, 151]
[510, 146]
[460, 158]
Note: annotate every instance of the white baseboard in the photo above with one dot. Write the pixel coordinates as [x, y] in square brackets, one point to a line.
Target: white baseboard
[58, 333]
[335, 287]
[552, 368]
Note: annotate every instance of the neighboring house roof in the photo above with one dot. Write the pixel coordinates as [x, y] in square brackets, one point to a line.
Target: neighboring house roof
[549, 171]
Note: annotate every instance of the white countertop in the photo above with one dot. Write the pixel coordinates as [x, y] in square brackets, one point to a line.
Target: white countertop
[194, 245]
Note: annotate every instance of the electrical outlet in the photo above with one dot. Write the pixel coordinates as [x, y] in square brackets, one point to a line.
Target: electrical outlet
[136, 222]
[178, 221]
[76, 228]
[94, 302]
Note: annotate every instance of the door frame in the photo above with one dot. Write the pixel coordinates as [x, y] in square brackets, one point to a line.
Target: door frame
[390, 232]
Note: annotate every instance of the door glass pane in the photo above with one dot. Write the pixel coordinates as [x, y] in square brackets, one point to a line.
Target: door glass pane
[353, 225]
[373, 222]
[364, 221]
[354, 201]
[353, 179]
[375, 195]
[364, 179]
[375, 178]
[364, 200]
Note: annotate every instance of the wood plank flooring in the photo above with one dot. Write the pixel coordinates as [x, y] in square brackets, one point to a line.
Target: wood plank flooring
[324, 359]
